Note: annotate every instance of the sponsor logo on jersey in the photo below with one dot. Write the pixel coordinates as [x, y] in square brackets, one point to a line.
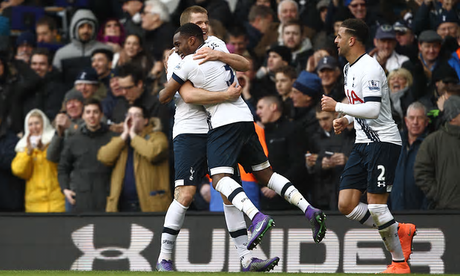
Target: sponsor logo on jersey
[374, 85]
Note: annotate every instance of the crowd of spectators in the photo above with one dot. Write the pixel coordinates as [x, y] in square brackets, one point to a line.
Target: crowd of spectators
[82, 129]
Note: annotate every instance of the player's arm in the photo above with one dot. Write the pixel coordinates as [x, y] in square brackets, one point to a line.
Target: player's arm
[370, 109]
[167, 93]
[192, 95]
[237, 62]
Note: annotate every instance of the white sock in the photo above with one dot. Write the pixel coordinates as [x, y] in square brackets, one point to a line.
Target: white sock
[388, 229]
[362, 214]
[236, 226]
[236, 195]
[173, 223]
[282, 186]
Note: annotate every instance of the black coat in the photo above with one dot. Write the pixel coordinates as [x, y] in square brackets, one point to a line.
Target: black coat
[80, 171]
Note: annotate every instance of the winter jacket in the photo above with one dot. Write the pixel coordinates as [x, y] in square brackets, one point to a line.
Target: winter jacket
[151, 168]
[75, 56]
[405, 195]
[43, 193]
[11, 187]
[437, 167]
[80, 171]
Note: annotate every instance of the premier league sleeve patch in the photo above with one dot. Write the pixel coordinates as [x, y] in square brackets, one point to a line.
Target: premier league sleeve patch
[374, 85]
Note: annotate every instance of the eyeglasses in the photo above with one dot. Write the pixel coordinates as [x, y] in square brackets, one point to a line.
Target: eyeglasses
[358, 4]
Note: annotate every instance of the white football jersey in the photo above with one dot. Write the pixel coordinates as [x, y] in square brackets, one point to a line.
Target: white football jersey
[366, 81]
[190, 118]
[214, 76]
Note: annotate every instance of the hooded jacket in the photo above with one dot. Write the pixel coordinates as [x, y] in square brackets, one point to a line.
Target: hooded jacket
[75, 56]
[43, 193]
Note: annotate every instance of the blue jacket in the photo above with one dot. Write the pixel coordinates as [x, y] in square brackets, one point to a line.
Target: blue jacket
[405, 195]
[454, 62]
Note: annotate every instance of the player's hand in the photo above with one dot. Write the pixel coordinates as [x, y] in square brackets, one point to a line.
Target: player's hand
[328, 104]
[339, 159]
[70, 195]
[233, 92]
[267, 192]
[206, 54]
[340, 124]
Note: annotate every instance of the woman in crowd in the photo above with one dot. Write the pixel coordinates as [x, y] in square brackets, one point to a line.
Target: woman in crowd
[112, 33]
[133, 51]
[400, 82]
[43, 193]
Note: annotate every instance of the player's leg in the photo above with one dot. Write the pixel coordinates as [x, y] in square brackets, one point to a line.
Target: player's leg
[224, 146]
[381, 165]
[190, 167]
[237, 229]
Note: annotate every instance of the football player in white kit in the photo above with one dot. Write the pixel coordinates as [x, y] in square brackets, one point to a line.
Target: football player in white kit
[190, 162]
[372, 162]
[232, 138]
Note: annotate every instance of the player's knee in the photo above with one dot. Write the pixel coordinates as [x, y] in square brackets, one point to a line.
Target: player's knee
[184, 195]
[263, 176]
[345, 207]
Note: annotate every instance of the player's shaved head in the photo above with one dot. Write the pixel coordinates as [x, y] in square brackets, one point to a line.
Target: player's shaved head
[356, 28]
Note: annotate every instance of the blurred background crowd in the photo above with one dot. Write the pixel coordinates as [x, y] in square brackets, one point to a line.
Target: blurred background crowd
[82, 130]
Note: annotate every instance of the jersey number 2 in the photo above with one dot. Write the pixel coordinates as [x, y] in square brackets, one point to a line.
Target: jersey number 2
[232, 76]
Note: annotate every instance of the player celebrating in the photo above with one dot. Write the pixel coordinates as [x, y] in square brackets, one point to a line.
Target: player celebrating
[190, 136]
[371, 165]
[232, 138]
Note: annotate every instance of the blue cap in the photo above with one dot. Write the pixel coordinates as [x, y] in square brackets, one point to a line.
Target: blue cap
[328, 62]
[385, 32]
[26, 38]
[447, 16]
[88, 75]
[309, 84]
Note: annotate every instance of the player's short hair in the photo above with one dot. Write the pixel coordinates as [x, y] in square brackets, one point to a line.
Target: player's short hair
[92, 101]
[190, 29]
[275, 100]
[48, 21]
[259, 11]
[287, 70]
[186, 15]
[42, 52]
[356, 28]
[133, 70]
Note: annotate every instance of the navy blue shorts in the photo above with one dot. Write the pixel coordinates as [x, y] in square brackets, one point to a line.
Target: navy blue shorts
[371, 167]
[232, 144]
[190, 159]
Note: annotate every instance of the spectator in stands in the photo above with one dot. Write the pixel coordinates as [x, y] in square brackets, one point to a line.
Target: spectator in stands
[431, 13]
[313, 60]
[88, 84]
[261, 30]
[101, 61]
[133, 52]
[131, 83]
[407, 43]
[301, 48]
[11, 188]
[405, 195]
[436, 166]
[384, 52]
[237, 40]
[67, 123]
[158, 32]
[306, 92]
[288, 10]
[75, 56]
[49, 94]
[139, 157]
[400, 83]
[430, 59]
[43, 193]
[332, 154]
[112, 33]
[132, 20]
[46, 30]
[284, 141]
[277, 56]
[285, 77]
[25, 44]
[84, 180]
[447, 25]
[331, 77]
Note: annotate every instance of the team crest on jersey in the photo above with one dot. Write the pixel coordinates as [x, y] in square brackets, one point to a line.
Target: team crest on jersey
[178, 66]
[374, 85]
